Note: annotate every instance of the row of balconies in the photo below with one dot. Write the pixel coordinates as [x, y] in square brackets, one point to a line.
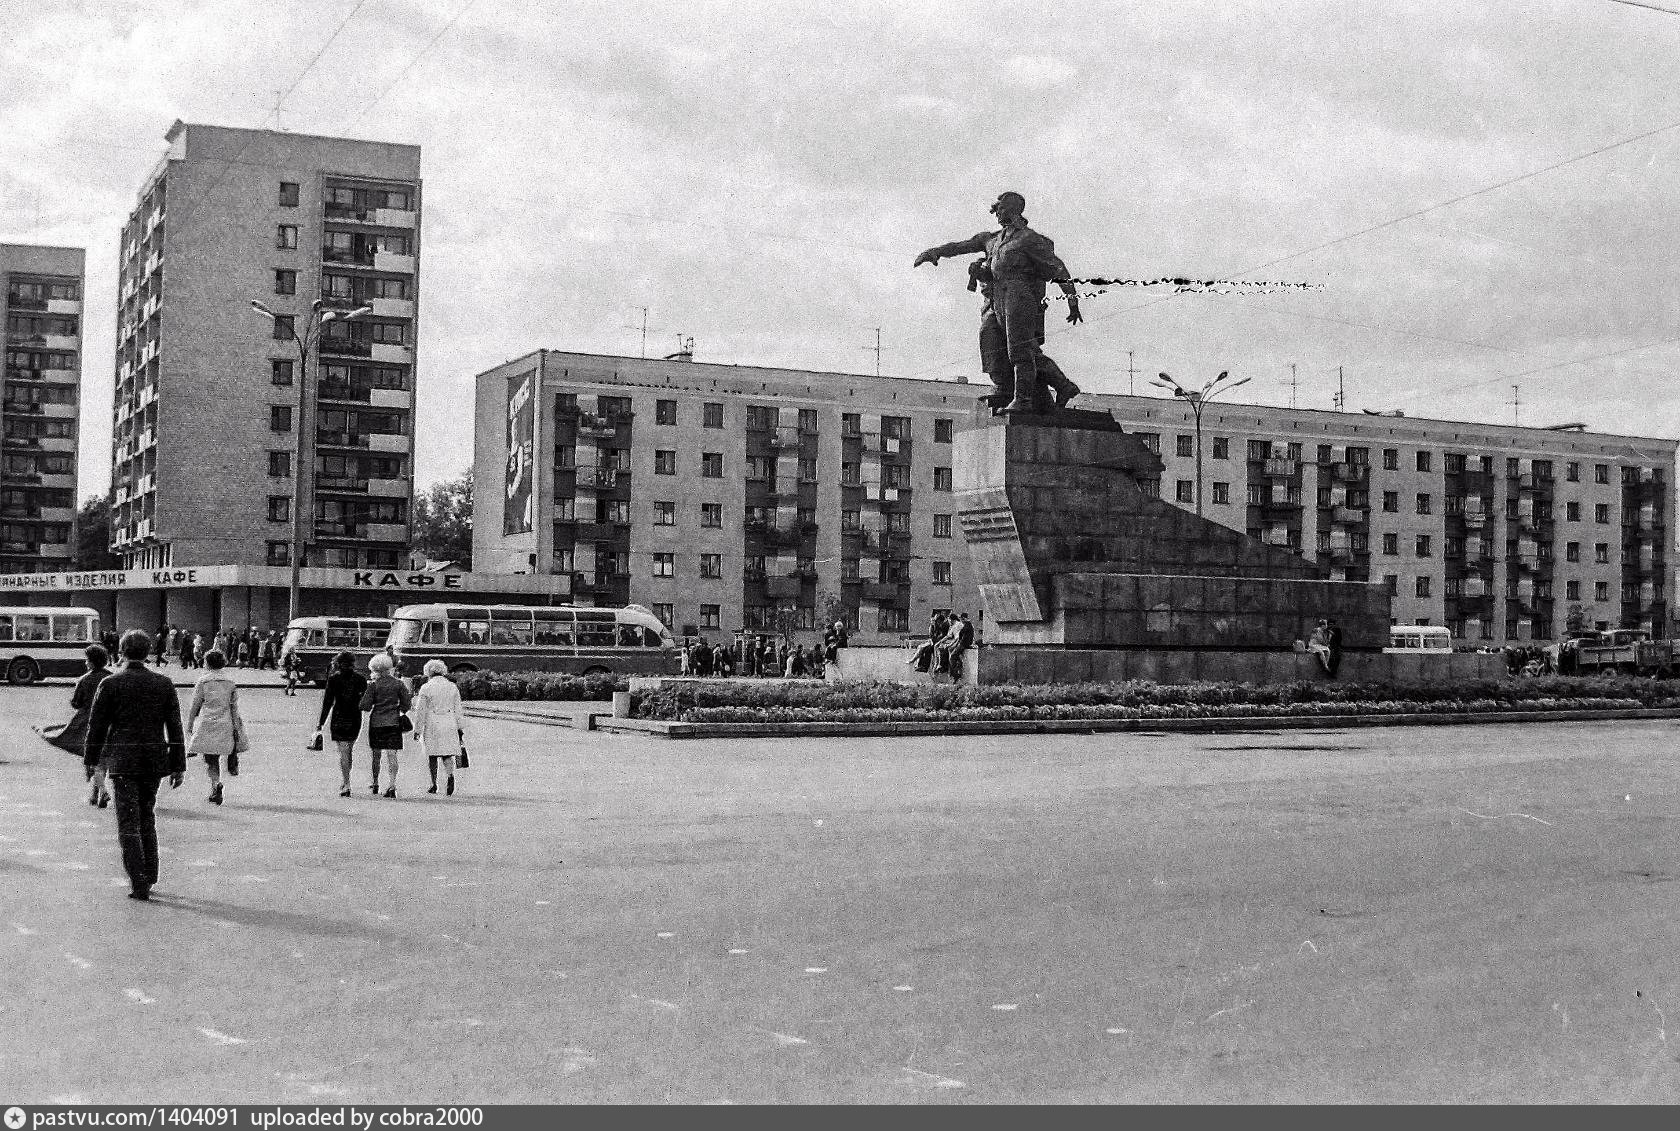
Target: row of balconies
[363, 531]
[378, 260]
[379, 217]
[366, 441]
[366, 394]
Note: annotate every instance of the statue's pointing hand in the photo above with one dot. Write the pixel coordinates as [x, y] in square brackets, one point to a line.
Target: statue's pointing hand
[928, 256]
[1074, 316]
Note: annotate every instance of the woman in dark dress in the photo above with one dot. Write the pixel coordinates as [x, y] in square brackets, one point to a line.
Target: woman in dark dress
[342, 705]
[73, 734]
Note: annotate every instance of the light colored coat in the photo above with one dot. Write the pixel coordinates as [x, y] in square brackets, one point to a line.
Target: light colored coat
[437, 717]
[214, 718]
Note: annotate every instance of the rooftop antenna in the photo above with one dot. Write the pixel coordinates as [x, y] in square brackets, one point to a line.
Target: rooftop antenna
[876, 350]
[1516, 405]
[279, 98]
[1131, 375]
[643, 328]
[1294, 384]
[1340, 398]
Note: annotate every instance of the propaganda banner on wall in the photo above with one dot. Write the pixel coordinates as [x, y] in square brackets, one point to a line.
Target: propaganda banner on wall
[518, 511]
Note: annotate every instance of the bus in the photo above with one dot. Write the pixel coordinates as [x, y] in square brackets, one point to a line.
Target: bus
[1412, 639]
[37, 641]
[533, 638]
[316, 640]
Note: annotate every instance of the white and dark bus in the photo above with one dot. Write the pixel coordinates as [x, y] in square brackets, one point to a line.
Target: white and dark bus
[316, 640]
[37, 642]
[533, 638]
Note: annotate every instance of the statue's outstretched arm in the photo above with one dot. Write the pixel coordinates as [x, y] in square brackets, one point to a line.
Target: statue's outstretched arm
[973, 244]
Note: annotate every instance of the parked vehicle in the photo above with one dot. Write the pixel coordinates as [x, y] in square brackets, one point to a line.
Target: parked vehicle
[1431, 639]
[1628, 651]
[37, 641]
[527, 638]
[316, 640]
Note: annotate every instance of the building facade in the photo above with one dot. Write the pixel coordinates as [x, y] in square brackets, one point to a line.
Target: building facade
[40, 407]
[728, 497]
[214, 414]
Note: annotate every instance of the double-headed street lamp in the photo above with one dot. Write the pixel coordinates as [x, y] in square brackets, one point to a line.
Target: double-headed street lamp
[319, 316]
[1197, 400]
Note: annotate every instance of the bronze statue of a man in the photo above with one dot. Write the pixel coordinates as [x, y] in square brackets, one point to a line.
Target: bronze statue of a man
[1018, 263]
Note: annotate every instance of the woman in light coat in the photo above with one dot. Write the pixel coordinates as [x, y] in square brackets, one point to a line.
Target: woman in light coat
[437, 721]
[215, 723]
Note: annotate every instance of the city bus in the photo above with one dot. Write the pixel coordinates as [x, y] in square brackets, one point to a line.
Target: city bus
[1431, 639]
[533, 638]
[316, 640]
[37, 641]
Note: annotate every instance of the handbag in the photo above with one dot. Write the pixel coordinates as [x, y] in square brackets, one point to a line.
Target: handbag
[462, 762]
[404, 723]
[318, 742]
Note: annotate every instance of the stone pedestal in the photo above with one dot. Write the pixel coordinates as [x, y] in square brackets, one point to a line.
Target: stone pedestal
[1071, 553]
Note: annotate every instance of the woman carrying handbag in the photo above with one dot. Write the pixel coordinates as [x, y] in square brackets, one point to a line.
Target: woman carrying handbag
[216, 726]
[342, 705]
[387, 701]
[437, 722]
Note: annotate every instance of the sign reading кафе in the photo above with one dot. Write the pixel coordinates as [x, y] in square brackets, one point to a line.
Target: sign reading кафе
[278, 577]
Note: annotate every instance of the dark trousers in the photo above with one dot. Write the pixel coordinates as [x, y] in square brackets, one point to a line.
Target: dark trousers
[136, 798]
[1011, 334]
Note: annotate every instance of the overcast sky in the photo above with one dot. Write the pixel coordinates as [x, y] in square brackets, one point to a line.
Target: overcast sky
[760, 176]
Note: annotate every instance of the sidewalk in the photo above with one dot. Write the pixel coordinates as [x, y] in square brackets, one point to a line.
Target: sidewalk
[187, 677]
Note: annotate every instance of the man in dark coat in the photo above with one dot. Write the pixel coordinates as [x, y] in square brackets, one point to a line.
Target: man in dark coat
[135, 728]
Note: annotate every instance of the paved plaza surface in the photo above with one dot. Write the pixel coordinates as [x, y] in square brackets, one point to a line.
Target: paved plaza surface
[1452, 914]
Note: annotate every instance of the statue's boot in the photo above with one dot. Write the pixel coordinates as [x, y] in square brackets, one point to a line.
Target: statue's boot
[1026, 388]
[1053, 376]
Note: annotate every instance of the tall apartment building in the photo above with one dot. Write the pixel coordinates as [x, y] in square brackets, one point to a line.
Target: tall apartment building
[40, 405]
[210, 405]
[718, 495]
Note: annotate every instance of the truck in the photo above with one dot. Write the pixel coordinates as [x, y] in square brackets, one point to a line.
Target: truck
[1624, 651]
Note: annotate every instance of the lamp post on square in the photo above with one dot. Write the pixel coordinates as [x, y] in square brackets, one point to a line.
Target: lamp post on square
[1197, 401]
[319, 316]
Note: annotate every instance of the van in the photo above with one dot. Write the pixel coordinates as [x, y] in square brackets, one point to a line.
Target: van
[1413, 639]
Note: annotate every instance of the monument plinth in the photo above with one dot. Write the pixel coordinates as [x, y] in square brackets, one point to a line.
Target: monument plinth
[1071, 553]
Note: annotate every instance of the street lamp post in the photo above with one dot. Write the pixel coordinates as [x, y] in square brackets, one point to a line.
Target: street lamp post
[319, 316]
[1197, 401]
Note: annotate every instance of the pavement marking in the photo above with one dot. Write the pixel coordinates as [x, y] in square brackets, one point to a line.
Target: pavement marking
[22, 930]
[656, 1003]
[40, 852]
[1116, 1031]
[816, 969]
[1007, 1007]
[1307, 944]
[575, 1060]
[666, 935]
[78, 961]
[1559, 1008]
[930, 1079]
[201, 863]
[139, 997]
[737, 950]
[73, 865]
[223, 1038]
[469, 1022]
[542, 903]
[1497, 816]
[73, 1099]
[253, 879]
[903, 989]
[1232, 1009]
[785, 1040]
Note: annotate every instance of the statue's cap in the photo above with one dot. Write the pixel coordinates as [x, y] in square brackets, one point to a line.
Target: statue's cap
[1016, 195]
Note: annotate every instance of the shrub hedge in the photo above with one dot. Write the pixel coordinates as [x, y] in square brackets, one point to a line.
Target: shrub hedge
[538, 685]
[868, 701]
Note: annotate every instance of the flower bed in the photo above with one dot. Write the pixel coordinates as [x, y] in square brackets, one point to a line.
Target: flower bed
[726, 702]
[538, 685]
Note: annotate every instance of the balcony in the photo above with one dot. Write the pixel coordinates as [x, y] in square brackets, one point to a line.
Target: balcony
[596, 478]
[340, 485]
[598, 581]
[598, 426]
[1283, 468]
[63, 306]
[1473, 588]
[392, 307]
[602, 531]
[783, 437]
[1276, 536]
[392, 217]
[391, 353]
[1347, 516]
[1474, 519]
[390, 261]
[388, 488]
[1351, 472]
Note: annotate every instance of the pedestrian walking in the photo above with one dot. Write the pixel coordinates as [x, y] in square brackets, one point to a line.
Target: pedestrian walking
[244, 652]
[341, 712]
[294, 671]
[387, 702]
[215, 723]
[72, 736]
[134, 731]
[438, 723]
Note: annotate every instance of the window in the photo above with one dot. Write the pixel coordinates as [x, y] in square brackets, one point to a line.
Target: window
[1221, 447]
[1422, 587]
[849, 474]
[942, 573]
[1423, 461]
[1424, 503]
[1425, 546]
[711, 514]
[281, 371]
[711, 616]
[761, 418]
[894, 620]
[1186, 445]
[279, 553]
[941, 526]
[851, 520]
[1601, 590]
[1601, 512]
[280, 465]
[1572, 511]
[1454, 463]
[665, 462]
[1572, 551]
[1185, 491]
[288, 194]
[1259, 449]
[664, 565]
[1452, 547]
[1391, 459]
[711, 465]
[1601, 473]
[285, 282]
[761, 467]
[711, 565]
[711, 415]
[1391, 543]
[1572, 471]
[665, 611]
[941, 479]
[942, 431]
[1601, 553]
[1150, 440]
[1221, 493]
[851, 424]
[1391, 502]
[665, 412]
[808, 470]
[280, 417]
[283, 328]
[895, 428]
[285, 237]
[664, 514]
[1572, 590]
[279, 508]
[1391, 582]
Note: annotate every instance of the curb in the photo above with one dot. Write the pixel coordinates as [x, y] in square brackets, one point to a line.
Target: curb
[660, 729]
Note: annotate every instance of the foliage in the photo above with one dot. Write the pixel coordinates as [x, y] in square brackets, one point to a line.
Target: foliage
[443, 516]
[551, 686]
[93, 535]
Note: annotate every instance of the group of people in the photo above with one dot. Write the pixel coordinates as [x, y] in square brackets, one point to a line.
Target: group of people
[762, 656]
[949, 636]
[128, 729]
[251, 648]
[1325, 643]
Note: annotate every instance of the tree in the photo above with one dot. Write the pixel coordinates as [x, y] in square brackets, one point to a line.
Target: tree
[443, 520]
[93, 535]
[1575, 621]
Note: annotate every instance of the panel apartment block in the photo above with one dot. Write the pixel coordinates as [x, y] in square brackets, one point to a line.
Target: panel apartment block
[211, 413]
[730, 497]
[40, 407]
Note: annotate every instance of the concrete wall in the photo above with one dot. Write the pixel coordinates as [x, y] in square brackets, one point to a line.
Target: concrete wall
[892, 665]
